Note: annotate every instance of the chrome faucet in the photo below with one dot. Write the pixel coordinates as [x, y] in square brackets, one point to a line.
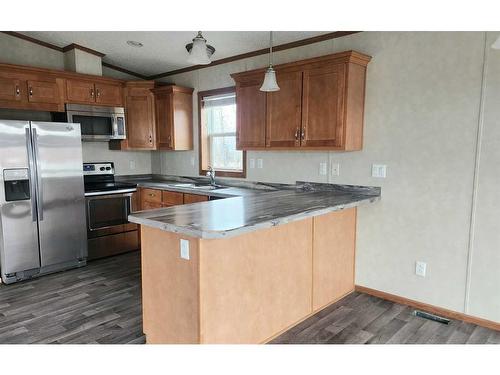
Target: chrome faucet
[211, 175]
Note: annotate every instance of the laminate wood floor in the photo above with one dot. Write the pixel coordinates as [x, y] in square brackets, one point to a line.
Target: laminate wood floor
[101, 304]
[363, 319]
[97, 304]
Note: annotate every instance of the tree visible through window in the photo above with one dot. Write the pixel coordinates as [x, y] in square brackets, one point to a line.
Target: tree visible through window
[218, 133]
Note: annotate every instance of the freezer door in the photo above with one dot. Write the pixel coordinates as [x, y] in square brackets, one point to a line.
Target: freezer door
[60, 192]
[18, 220]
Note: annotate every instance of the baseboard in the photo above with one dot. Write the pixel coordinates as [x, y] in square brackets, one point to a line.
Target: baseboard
[429, 308]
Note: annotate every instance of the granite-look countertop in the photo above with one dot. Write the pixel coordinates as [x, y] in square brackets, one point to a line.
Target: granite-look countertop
[268, 206]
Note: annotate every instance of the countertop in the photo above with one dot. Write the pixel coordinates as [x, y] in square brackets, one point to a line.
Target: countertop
[251, 206]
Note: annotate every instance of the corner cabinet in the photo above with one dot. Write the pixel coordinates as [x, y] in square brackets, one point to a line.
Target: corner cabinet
[174, 118]
[320, 105]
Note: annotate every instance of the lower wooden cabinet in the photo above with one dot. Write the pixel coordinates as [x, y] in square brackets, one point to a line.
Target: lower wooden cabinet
[156, 198]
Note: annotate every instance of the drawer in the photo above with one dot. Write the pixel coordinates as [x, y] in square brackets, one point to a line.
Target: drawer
[194, 198]
[151, 195]
[172, 198]
[150, 205]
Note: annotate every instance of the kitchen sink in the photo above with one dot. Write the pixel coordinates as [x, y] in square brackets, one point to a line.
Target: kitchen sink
[198, 186]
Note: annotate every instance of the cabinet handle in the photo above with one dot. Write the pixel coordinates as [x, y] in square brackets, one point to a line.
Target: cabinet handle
[150, 138]
[297, 134]
[98, 93]
[31, 91]
[303, 134]
[91, 93]
[151, 195]
[17, 90]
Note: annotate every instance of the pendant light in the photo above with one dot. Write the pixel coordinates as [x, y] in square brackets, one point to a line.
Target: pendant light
[270, 83]
[199, 51]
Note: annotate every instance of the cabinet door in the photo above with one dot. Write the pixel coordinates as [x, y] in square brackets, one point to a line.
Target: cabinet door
[150, 205]
[284, 111]
[80, 91]
[172, 198]
[194, 198]
[164, 120]
[322, 106]
[140, 121]
[109, 94]
[10, 89]
[251, 114]
[43, 92]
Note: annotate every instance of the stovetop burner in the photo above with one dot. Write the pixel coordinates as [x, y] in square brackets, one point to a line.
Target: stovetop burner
[100, 178]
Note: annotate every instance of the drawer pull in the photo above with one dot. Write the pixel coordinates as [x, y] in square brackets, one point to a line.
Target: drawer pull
[17, 91]
[31, 91]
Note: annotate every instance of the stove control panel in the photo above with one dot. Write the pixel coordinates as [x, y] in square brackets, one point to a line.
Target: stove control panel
[90, 169]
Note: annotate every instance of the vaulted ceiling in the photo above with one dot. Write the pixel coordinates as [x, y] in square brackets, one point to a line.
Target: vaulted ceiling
[165, 51]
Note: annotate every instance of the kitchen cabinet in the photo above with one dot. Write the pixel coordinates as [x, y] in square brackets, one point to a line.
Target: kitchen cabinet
[174, 117]
[30, 90]
[94, 92]
[156, 198]
[320, 105]
[284, 111]
[140, 121]
[194, 198]
[250, 112]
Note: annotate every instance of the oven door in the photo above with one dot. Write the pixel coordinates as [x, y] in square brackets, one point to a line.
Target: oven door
[95, 126]
[105, 212]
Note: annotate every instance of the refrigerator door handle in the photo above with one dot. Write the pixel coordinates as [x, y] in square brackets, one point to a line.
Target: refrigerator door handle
[39, 188]
[32, 182]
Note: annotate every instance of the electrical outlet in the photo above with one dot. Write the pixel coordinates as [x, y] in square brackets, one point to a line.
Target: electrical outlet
[185, 249]
[322, 169]
[251, 163]
[131, 164]
[260, 163]
[379, 170]
[335, 169]
[420, 268]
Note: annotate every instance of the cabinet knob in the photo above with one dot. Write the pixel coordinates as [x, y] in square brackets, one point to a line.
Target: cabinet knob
[98, 93]
[17, 90]
[151, 195]
[31, 91]
[92, 93]
[150, 138]
[297, 134]
[303, 134]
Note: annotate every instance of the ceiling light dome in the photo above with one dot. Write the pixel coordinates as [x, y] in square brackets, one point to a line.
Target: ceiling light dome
[199, 51]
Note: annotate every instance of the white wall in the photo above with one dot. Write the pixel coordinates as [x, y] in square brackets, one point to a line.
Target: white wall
[18, 51]
[421, 118]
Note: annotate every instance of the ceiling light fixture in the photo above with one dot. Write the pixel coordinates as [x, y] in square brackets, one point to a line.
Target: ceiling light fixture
[270, 83]
[199, 51]
[133, 43]
[496, 45]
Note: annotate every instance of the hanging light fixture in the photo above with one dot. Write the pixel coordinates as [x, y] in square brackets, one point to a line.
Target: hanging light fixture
[496, 45]
[270, 83]
[199, 51]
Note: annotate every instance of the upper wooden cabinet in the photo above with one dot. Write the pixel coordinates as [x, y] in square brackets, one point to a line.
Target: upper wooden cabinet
[22, 89]
[139, 106]
[174, 117]
[94, 92]
[250, 112]
[320, 105]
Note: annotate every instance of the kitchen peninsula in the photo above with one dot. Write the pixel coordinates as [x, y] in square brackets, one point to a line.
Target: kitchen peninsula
[244, 269]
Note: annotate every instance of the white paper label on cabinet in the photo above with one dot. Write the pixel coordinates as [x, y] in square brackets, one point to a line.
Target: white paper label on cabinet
[185, 249]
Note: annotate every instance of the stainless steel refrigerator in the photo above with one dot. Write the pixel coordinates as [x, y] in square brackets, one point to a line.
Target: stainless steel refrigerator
[42, 203]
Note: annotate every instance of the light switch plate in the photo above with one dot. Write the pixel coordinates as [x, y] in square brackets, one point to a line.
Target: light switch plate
[184, 249]
[335, 169]
[322, 169]
[251, 163]
[260, 163]
[379, 170]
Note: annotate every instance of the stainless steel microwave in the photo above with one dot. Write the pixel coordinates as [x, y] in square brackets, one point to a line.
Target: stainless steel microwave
[98, 123]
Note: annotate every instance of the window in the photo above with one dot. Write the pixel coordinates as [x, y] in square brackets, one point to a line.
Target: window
[217, 129]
